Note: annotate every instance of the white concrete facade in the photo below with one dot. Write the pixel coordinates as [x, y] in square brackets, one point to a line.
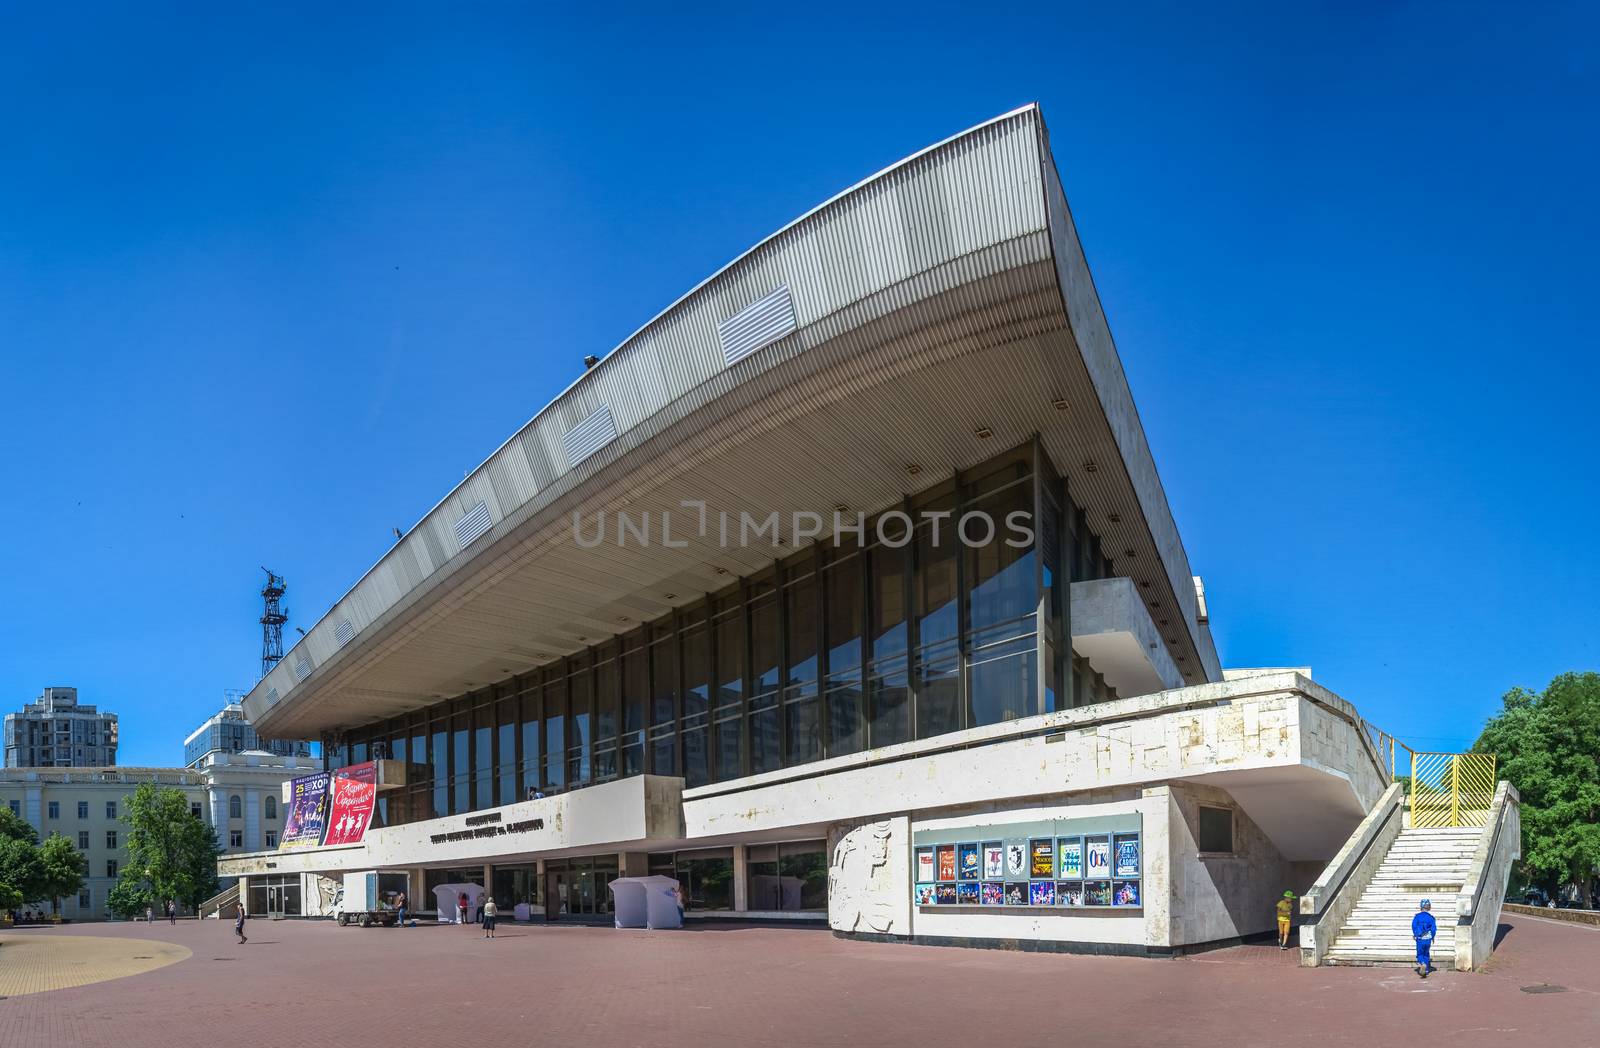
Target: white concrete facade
[1264, 749]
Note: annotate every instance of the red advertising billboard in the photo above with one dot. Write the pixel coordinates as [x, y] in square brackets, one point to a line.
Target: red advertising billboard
[355, 793]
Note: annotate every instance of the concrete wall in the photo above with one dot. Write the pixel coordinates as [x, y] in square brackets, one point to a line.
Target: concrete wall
[628, 810]
[1478, 905]
[1221, 896]
[1232, 728]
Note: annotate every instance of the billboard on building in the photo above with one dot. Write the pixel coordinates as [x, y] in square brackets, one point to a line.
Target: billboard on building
[354, 795]
[308, 812]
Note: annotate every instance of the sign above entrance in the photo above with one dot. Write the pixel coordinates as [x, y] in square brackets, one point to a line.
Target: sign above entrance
[487, 825]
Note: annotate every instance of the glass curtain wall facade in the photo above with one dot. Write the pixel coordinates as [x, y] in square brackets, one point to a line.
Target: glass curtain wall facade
[939, 616]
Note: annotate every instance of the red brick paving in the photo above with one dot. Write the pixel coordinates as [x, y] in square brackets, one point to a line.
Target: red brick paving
[299, 984]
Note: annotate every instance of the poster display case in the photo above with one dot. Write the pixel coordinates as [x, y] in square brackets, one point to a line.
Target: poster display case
[1102, 867]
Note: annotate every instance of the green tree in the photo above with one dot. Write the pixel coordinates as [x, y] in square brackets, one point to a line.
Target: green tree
[20, 866]
[129, 896]
[170, 852]
[64, 869]
[1548, 746]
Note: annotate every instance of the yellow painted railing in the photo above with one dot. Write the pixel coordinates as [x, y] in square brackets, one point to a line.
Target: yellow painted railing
[1451, 789]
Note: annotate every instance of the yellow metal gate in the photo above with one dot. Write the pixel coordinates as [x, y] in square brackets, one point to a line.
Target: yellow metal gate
[1451, 789]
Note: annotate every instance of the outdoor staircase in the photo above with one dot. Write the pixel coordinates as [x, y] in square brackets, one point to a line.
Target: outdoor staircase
[1421, 864]
[224, 899]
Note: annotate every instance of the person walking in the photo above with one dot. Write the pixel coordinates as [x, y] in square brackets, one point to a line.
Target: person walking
[1423, 929]
[489, 911]
[172, 911]
[149, 914]
[400, 910]
[238, 926]
[461, 908]
[1285, 919]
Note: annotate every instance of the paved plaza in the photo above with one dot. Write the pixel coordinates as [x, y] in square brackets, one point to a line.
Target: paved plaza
[299, 984]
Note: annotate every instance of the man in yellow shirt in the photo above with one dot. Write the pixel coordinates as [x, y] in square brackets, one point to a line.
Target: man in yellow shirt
[1285, 919]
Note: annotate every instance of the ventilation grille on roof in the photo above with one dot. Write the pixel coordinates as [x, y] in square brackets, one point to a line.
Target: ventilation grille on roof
[302, 667]
[761, 323]
[272, 696]
[590, 435]
[344, 633]
[475, 523]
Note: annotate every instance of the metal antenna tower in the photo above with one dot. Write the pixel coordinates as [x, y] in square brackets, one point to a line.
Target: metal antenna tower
[272, 619]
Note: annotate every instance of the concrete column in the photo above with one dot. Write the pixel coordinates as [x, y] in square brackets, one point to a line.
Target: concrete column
[33, 809]
[1155, 839]
[633, 864]
[741, 880]
[252, 820]
[219, 814]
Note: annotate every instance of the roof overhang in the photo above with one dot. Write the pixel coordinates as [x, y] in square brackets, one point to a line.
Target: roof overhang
[901, 353]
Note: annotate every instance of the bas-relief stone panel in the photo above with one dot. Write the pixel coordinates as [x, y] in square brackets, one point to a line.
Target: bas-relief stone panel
[869, 876]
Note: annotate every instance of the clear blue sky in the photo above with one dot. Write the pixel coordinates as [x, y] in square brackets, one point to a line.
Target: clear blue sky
[270, 283]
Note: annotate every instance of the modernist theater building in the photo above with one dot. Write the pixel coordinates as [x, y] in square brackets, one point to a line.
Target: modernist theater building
[910, 727]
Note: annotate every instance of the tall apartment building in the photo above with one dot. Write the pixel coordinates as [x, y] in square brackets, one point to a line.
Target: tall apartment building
[57, 731]
[230, 731]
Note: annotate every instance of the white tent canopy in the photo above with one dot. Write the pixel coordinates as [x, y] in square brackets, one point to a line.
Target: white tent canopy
[449, 894]
[646, 902]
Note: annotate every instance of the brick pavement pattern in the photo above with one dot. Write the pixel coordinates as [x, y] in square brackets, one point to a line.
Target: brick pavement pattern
[32, 962]
[305, 984]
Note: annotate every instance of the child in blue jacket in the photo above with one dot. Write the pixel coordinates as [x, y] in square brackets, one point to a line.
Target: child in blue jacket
[1423, 929]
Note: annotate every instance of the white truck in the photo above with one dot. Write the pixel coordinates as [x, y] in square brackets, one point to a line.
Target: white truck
[358, 902]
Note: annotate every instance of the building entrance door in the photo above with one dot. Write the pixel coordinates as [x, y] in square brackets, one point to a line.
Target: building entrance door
[275, 900]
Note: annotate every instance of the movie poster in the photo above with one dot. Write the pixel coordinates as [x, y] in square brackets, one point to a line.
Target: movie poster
[1017, 893]
[992, 894]
[994, 861]
[1098, 850]
[1097, 893]
[944, 894]
[947, 862]
[1042, 858]
[1069, 893]
[1125, 893]
[307, 814]
[967, 856]
[355, 794]
[1016, 859]
[1127, 856]
[967, 893]
[1070, 850]
[924, 895]
[925, 864]
[1042, 893]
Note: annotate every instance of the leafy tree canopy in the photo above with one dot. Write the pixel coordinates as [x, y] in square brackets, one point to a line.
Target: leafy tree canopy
[129, 896]
[64, 868]
[169, 850]
[21, 867]
[14, 827]
[1548, 745]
